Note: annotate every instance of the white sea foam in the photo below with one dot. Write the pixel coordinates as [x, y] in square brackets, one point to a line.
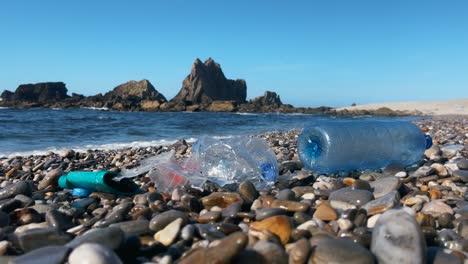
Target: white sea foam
[247, 114]
[4, 107]
[84, 148]
[97, 108]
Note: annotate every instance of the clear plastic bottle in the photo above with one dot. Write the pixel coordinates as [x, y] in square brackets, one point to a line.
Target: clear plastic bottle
[235, 159]
[343, 145]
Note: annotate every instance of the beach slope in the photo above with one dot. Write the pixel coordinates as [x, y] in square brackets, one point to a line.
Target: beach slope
[448, 107]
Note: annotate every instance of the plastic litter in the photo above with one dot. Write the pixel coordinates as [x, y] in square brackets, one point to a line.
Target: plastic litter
[166, 172]
[233, 160]
[98, 181]
[343, 145]
[80, 192]
[222, 161]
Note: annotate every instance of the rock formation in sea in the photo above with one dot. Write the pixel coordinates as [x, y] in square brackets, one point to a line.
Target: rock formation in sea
[134, 95]
[206, 83]
[206, 88]
[38, 93]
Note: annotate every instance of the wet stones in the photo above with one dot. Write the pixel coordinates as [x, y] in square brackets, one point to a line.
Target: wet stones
[325, 212]
[433, 150]
[340, 251]
[48, 254]
[424, 171]
[168, 235]
[248, 191]
[382, 204]
[347, 198]
[25, 216]
[163, 219]
[93, 253]
[221, 199]
[138, 227]
[279, 225]
[451, 150]
[463, 164]
[437, 208]
[58, 220]
[299, 253]
[207, 217]
[51, 179]
[37, 238]
[21, 187]
[397, 238]
[384, 185]
[290, 206]
[271, 252]
[225, 252]
[462, 175]
[110, 237]
[268, 212]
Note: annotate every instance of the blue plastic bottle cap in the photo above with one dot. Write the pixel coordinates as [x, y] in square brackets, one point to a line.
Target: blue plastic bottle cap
[313, 149]
[268, 172]
[81, 192]
[428, 141]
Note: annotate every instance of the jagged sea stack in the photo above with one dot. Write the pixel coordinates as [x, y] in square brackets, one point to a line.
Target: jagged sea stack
[206, 83]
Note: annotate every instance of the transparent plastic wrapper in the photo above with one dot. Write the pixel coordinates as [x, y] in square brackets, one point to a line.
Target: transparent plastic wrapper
[222, 161]
[163, 170]
[343, 145]
[232, 160]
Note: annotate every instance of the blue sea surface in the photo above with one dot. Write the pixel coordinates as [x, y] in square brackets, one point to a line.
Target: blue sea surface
[36, 131]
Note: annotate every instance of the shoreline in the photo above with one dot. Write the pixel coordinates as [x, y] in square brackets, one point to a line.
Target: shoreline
[190, 225]
[431, 108]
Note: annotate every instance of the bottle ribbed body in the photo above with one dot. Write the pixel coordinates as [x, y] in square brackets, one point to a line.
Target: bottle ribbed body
[343, 145]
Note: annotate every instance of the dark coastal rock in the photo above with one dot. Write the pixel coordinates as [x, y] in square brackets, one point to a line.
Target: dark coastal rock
[6, 95]
[40, 92]
[222, 106]
[142, 90]
[206, 83]
[48, 254]
[135, 95]
[270, 99]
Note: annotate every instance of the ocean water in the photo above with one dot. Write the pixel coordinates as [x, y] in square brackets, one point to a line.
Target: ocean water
[36, 131]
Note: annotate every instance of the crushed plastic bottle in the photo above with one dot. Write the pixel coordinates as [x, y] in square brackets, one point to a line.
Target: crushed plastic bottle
[343, 145]
[232, 160]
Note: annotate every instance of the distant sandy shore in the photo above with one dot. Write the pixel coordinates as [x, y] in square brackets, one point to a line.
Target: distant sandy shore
[449, 107]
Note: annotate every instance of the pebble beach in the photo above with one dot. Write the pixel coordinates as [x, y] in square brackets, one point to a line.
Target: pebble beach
[416, 214]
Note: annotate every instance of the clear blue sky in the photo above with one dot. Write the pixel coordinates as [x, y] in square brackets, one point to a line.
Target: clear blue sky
[311, 52]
